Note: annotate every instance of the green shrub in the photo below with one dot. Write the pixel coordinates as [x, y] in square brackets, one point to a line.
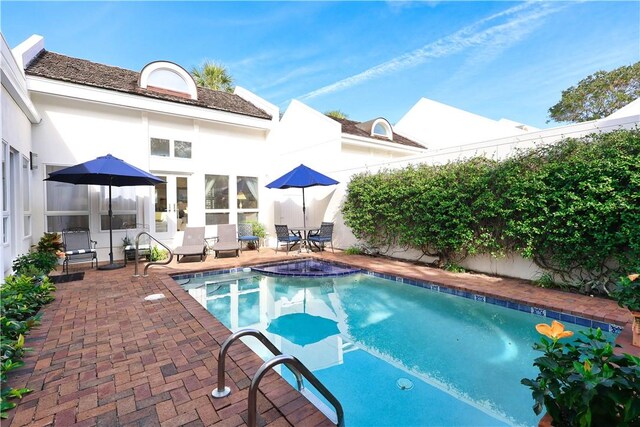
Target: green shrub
[572, 207]
[453, 268]
[21, 297]
[258, 229]
[628, 292]
[353, 250]
[35, 264]
[158, 254]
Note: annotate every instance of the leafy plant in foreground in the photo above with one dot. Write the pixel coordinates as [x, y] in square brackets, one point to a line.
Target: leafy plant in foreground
[20, 299]
[584, 383]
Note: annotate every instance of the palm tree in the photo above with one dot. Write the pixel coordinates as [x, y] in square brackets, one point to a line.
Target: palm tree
[213, 76]
[336, 114]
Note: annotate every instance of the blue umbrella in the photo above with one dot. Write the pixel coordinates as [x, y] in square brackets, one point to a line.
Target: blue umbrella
[105, 170]
[302, 328]
[302, 177]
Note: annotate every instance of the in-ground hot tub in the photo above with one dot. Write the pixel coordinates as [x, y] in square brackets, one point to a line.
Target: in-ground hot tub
[306, 268]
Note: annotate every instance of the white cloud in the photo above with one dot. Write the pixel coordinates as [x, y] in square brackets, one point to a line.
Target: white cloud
[494, 33]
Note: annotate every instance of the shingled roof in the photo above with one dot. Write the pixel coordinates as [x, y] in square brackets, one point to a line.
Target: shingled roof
[79, 71]
[351, 127]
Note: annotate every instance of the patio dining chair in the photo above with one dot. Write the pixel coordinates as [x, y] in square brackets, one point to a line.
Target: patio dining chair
[323, 236]
[193, 243]
[283, 235]
[78, 247]
[227, 240]
[245, 235]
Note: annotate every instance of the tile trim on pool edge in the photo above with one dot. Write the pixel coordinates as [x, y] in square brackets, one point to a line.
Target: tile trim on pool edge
[544, 312]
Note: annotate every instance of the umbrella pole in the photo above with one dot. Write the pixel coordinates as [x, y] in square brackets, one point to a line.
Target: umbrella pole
[110, 227]
[304, 213]
[111, 265]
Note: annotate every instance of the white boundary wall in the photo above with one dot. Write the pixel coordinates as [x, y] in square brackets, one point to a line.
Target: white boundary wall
[512, 265]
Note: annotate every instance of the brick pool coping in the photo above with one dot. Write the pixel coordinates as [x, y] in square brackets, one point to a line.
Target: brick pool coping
[103, 355]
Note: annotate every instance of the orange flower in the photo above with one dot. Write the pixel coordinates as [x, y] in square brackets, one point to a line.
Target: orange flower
[555, 331]
[587, 365]
[633, 277]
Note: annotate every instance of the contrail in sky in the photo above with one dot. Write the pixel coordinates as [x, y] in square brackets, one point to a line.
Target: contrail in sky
[497, 28]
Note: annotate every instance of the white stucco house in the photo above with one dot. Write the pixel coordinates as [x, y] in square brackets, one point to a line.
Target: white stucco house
[215, 150]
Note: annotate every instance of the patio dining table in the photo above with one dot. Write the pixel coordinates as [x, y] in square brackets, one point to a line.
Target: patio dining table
[303, 233]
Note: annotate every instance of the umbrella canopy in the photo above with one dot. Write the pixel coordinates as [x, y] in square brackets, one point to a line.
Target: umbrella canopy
[302, 177]
[105, 170]
[302, 328]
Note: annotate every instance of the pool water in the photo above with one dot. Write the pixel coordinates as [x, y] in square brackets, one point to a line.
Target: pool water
[393, 354]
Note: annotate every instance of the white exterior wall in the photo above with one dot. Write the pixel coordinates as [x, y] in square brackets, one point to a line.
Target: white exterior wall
[17, 115]
[437, 125]
[73, 131]
[217, 149]
[305, 136]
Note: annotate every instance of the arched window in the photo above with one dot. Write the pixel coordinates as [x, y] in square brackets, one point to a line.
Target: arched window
[381, 128]
[168, 77]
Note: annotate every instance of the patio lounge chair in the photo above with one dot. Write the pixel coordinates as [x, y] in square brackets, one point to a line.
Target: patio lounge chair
[325, 235]
[78, 247]
[193, 243]
[245, 234]
[285, 236]
[227, 240]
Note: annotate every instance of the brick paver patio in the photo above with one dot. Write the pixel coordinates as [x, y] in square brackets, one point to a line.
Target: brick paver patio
[105, 356]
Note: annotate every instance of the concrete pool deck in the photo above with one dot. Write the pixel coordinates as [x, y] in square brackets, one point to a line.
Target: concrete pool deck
[102, 355]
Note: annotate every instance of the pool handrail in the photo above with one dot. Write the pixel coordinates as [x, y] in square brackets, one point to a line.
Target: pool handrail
[290, 362]
[149, 264]
[294, 365]
[223, 391]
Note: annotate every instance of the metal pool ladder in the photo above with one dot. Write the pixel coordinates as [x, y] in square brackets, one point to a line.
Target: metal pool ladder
[291, 362]
[149, 264]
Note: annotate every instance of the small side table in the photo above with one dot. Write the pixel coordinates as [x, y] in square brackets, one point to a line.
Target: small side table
[143, 251]
[210, 241]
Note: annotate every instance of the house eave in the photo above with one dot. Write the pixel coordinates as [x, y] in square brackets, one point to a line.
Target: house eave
[68, 90]
[375, 143]
[14, 82]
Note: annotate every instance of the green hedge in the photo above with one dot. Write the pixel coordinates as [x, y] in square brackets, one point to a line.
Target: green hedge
[572, 207]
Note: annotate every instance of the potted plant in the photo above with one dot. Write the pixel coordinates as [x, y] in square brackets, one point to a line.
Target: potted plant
[628, 295]
[584, 383]
[50, 242]
[259, 230]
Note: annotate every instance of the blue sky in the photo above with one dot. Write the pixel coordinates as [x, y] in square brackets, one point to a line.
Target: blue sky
[367, 59]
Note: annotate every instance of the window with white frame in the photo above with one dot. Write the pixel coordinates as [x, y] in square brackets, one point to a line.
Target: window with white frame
[382, 128]
[182, 149]
[160, 147]
[247, 198]
[216, 199]
[26, 196]
[124, 206]
[170, 148]
[67, 205]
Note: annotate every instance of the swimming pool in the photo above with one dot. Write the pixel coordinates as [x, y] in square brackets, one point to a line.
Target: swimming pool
[393, 354]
